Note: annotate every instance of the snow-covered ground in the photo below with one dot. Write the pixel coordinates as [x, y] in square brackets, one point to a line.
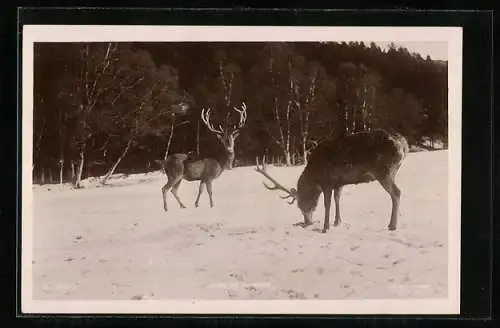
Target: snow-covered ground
[116, 242]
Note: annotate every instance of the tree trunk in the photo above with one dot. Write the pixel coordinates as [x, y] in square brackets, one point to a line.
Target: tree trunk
[286, 152]
[346, 121]
[171, 135]
[73, 174]
[115, 165]
[288, 132]
[363, 114]
[305, 136]
[288, 158]
[61, 171]
[80, 169]
[304, 150]
[61, 145]
[353, 119]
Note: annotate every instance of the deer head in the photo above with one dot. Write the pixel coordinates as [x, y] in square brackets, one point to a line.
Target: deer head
[228, 135]
[305, 194]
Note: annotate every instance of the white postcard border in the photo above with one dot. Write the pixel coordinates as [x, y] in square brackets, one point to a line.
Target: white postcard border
[73, 33]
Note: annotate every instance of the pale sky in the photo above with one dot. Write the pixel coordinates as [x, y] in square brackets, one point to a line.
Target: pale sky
[435, 49]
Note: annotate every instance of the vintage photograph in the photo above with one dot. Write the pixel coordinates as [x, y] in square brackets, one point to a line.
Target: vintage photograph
[313, 166]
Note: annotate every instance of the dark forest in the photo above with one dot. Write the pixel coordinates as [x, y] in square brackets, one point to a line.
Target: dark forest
[103, 108]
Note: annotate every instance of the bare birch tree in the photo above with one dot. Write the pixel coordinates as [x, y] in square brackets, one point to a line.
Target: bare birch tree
[276, 83]
[83, 88]
[313, 89]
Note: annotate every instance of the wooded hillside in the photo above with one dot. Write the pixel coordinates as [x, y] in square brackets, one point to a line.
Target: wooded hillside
[103, 107]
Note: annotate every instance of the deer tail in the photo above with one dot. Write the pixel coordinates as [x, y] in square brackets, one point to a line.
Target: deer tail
[403, 142]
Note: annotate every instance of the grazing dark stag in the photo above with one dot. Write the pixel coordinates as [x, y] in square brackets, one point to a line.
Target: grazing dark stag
[358, 158]
[183, 166]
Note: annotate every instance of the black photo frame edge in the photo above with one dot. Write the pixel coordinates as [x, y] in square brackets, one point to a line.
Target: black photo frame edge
[477, 137]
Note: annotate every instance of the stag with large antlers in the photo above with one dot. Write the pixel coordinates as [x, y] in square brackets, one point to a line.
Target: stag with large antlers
[182, 166]
[358, 158]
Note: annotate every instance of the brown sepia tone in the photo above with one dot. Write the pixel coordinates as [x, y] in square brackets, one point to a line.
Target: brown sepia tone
[121, 120]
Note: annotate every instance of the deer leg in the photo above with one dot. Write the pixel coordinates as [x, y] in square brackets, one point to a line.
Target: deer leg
[164, 190]
[395, 193]
[174, 192]
[336, 196]
[200, 190]
[209, 190]
[327, 197]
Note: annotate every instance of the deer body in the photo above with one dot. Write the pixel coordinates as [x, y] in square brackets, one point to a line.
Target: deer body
[202, 170]
[193, 170]
[178, 167]
[358, 158]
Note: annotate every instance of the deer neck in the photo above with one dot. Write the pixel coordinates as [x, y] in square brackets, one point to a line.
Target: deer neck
[227, 159]
[308, 193]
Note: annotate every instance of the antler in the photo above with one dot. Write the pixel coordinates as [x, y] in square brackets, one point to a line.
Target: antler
[205, 117]
[291, 193]
[243, 118]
